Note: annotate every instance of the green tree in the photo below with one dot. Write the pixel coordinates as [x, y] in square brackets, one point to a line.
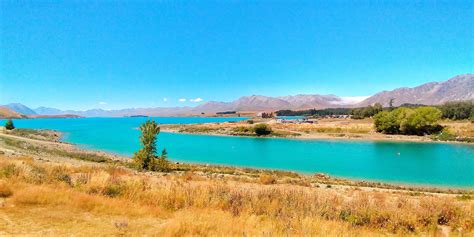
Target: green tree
[146, 158]
[390, 103]
[419, 121]
[377, 108]
[262, 129]
[457, 110]
[9, 125]
[422, 120]
[386, 122]
[366, 112]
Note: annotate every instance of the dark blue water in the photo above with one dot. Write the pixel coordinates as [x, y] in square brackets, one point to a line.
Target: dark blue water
[396, 162]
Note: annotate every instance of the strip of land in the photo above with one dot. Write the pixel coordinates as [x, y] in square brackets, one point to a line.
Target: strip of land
[348, 129]
[52, 188]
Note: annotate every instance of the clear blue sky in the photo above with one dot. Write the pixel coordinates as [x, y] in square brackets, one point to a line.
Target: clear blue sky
[77, 54]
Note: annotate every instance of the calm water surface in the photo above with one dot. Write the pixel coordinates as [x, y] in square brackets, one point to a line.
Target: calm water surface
[397, 162]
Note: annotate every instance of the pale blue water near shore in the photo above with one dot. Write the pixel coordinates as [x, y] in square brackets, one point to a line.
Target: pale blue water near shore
[395, 162]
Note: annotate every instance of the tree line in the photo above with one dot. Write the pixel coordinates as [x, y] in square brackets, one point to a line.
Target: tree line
[314, 112]
[458, 110]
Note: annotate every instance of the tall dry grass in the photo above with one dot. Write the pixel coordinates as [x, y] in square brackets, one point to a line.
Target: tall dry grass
[185, 203]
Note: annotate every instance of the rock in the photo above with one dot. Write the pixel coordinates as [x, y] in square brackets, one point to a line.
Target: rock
[321, 176]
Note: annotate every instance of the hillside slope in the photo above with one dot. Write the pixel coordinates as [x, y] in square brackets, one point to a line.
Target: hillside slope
[6, 112]
[20, 108]
[455, 89]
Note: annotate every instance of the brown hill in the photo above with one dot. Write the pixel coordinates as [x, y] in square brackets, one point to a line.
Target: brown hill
[5, 112]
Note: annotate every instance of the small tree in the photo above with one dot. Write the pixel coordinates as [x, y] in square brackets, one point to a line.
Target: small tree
[161, 163]
[390, 103]
[262, 129]
[146, 157]
[9, 125]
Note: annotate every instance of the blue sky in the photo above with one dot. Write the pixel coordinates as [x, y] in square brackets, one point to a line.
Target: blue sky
[118, 54]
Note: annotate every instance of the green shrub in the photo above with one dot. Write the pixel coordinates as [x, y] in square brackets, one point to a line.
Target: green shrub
[9, 171]
[9, 125]
[444, 135]
[161, 163]
[262, 129]
[242, 130]
[250, 121]
[61, 174]
[113, 190]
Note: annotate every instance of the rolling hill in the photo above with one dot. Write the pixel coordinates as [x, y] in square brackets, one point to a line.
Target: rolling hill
[6, 112]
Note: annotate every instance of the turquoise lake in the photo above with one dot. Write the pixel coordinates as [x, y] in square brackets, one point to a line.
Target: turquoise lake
[432, 164]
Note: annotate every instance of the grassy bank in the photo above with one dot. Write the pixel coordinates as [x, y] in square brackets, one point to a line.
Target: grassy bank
[363, 129]
[55, 199]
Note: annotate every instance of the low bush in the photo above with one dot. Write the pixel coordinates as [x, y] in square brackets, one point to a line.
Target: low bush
[262, 129]
[8, 171]
[243, 130]
[267, 179]
[9, 125]
[444, 135]
[5, 190]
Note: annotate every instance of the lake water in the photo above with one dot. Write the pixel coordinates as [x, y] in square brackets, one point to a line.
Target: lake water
[395, 162]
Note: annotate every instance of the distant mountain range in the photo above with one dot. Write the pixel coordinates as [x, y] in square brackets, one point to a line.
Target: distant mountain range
[455, 89]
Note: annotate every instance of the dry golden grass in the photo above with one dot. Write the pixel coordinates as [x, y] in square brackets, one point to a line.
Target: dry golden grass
[341, 127]
[460, 128]
[53, 199]
[324, 128]
[338, 126]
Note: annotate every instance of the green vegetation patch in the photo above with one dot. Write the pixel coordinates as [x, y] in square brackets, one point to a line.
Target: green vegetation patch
[407, 121]
[458, 110]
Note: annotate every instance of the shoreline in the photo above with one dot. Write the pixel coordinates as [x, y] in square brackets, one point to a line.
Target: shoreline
[327, 179]
[355, 181]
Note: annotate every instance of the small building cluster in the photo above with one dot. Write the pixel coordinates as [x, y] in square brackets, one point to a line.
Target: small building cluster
[340, 116]
[298, 121]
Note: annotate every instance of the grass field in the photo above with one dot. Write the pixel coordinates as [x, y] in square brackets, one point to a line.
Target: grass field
[46, 198]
